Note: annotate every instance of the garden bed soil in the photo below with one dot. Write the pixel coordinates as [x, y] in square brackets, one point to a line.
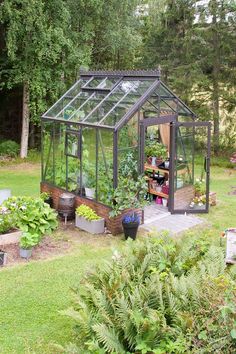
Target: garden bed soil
[63, 241]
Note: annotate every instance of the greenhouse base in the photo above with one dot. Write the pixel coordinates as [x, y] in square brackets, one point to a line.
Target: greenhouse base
[114, 225]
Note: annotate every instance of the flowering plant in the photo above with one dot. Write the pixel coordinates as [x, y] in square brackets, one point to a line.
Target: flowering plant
[131, 218]
[198, 201]
[200, 186]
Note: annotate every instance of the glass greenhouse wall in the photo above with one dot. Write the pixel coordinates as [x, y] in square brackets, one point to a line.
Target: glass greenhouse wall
[106, 125]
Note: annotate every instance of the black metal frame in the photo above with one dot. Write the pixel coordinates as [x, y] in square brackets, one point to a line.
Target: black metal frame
[175, 126]
[171, 118]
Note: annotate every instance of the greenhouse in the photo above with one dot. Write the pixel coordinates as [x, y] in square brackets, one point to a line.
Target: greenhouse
[113, 124]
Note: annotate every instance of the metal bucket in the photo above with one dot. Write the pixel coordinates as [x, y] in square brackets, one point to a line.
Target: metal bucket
[66, 206]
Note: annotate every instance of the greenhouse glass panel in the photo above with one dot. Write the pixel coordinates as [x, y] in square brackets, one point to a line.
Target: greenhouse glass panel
[47, 152]
[65, 100]
[128, 151]
[132, 91]
[89, 162]
[59, 156]
[105, 166]
[101, 83]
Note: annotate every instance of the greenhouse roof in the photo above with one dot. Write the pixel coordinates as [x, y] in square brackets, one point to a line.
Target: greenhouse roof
[108, 99]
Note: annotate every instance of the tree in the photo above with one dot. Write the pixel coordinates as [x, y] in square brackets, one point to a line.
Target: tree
[41, 54]
[117, 37]
[217, 28]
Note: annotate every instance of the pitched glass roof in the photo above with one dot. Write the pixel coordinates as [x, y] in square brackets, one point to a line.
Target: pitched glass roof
[107, 99]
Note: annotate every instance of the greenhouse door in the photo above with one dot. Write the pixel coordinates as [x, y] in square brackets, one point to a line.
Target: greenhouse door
[190, 167]
[154, 133]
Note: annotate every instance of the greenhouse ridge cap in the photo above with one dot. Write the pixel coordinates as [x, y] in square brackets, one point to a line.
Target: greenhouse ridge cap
[125, 73]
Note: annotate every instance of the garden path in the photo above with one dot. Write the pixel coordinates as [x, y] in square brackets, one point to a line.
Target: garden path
[157, 217]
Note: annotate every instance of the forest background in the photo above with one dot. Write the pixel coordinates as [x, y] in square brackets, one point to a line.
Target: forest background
[44, 44]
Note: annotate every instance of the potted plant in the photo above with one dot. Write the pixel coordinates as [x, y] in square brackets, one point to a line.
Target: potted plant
[47, 198]
[130, 194]
[27, 242]
[90, 187]
[157, 151]
[130, 224]
[86, 219]
[3, 258]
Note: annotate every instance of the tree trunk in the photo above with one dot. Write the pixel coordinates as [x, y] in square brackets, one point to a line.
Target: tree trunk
[32, 136]
[215, 83]
[25, 122]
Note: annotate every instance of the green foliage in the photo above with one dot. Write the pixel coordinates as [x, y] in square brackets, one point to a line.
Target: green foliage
[32, 215]
[128, 167]
[9, 148]
[44, 196]
[158, 296]
[86, 212]
[155, 149]
[7, 220]
[29, 240]
[129, 194]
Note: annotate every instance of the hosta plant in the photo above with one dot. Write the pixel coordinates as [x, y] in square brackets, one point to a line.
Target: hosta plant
[159, 296]
[28, 240]
[32, 215]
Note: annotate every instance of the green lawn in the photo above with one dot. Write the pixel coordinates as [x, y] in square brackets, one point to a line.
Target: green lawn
[21, 179]
[33, 294]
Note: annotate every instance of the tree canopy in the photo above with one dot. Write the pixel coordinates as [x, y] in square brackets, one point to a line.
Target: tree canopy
[44, 43]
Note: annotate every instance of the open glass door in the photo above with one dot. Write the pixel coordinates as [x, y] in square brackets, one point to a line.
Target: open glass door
[190, 167]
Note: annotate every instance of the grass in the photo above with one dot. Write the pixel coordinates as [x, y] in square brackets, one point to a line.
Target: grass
[22, 179]
[33, 294]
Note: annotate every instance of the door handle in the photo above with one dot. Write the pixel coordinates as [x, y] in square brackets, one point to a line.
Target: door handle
[206, 164]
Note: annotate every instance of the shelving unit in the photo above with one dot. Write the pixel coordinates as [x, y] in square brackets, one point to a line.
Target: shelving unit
[148, 167]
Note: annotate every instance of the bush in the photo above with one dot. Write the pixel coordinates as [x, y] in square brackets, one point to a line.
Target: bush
[7, 220]
[32, 215]
[159, 296]
[86, 212]
[9, 148]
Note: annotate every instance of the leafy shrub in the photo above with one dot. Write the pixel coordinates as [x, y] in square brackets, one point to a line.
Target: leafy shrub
[9, 148]
[159, 296]
[129, 194]
[32, 215]
[7, 220]
[86, 212]
[28, 240]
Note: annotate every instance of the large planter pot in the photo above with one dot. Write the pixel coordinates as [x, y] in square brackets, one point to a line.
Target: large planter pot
[25, 253]
[130, 229]
[3, 258]
[93, 227]
[10, 238]
[90, 192]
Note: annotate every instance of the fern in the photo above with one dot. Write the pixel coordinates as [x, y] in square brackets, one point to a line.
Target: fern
[109, 339]
[157, 292]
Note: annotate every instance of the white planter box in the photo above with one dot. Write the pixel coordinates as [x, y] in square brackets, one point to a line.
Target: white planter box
[10, 238]
[93, 227]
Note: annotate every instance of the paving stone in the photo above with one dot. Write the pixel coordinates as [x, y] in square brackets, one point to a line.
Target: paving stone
[156, 217]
